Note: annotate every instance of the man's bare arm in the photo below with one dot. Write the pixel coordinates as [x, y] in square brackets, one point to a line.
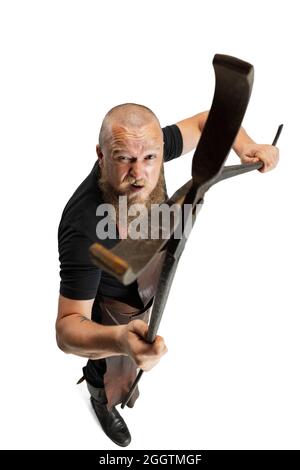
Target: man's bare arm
[191, 129]
[77, 334]
[245, 147]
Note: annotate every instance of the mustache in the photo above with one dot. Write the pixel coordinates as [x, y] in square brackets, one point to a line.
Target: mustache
[133, 180]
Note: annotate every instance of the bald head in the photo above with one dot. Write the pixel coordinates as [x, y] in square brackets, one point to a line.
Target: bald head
[126, 116]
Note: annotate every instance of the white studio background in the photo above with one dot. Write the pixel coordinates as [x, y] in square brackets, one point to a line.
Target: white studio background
[231, 377]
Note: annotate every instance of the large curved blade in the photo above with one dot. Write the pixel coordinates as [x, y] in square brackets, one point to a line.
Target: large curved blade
[234, 81]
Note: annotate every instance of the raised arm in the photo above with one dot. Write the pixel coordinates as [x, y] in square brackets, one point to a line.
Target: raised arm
[244, 146]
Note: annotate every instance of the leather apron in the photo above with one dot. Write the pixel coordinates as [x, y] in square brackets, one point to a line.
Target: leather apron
[121, 370]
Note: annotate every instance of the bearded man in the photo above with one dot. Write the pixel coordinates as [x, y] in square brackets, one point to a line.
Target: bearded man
[99, 318]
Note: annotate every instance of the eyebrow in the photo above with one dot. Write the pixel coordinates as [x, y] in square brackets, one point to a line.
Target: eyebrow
[127, 151]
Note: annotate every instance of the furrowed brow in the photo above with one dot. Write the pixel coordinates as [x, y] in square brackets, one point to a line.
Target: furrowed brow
[126, 151]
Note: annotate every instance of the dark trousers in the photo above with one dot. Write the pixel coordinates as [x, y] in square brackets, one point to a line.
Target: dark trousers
[94, 371]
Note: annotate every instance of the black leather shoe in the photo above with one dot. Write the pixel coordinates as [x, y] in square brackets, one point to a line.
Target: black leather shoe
[112, 423]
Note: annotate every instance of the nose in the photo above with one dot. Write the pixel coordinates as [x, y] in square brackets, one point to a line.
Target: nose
[136, 169]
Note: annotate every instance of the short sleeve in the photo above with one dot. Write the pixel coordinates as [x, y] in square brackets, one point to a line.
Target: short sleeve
[173, 142]
[79, 277]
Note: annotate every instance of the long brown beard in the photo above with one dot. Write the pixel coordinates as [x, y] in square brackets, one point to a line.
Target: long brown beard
[110, 196]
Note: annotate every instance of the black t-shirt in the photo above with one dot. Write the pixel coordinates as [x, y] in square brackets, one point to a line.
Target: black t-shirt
[80, 278]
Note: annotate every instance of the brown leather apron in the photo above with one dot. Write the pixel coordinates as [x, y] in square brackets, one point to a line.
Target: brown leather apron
[121, 370]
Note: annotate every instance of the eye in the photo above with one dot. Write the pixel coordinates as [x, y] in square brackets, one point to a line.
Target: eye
[150, 157]
[121, 158]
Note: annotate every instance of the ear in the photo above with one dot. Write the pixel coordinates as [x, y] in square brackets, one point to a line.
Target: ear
[100, 154]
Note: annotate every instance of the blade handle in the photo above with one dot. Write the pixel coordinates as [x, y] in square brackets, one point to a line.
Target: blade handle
[107, 260]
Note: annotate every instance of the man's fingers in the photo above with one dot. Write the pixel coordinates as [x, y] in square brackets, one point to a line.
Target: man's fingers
[159, 346]
[269, 157]
[267, 154]
[247, 159]
[139, 327]
[269, 163]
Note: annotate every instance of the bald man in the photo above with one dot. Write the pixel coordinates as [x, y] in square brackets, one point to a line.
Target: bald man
[99, 318]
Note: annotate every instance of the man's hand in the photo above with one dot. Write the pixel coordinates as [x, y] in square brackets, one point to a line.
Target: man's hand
[253, 153]
[133, 344]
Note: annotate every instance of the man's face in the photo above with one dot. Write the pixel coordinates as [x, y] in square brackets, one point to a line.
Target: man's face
[132, 159]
